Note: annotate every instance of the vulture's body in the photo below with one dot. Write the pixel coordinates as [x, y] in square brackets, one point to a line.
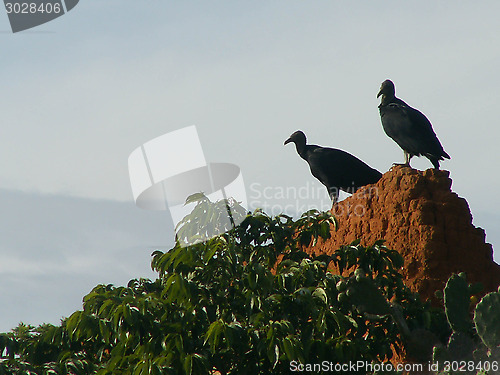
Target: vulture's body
[408, 127]
[336, 169]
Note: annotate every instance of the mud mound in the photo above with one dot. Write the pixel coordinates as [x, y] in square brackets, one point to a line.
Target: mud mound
[418, 215]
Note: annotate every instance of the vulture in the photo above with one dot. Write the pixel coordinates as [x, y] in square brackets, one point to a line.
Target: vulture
[336, 169]
[408, 127]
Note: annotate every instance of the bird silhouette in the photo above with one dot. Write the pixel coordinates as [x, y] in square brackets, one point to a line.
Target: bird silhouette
[408, 127]
[336, 169]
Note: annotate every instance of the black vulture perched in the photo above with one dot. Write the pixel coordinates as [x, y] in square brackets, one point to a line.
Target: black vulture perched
[408, 127]
[336, 169]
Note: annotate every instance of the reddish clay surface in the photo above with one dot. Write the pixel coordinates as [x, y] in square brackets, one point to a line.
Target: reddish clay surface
[418, 215]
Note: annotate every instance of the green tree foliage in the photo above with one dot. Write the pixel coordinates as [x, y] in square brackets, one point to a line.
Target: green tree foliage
[249, 301]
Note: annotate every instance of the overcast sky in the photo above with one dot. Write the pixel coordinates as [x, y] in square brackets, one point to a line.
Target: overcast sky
[80, 93]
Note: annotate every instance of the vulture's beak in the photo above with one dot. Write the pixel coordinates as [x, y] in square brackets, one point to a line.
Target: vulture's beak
[380, 92]
[287, 141]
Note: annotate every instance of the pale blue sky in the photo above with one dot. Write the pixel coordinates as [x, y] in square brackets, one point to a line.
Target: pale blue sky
[81, 92]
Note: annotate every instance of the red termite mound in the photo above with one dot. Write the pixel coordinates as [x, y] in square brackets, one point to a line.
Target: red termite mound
[417, 214]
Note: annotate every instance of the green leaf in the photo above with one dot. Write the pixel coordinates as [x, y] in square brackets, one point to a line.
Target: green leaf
[210, 252]
[195, 198]
[289, 348]
[188, 364]
[325, 230]
[321, 295]
[213, 335]
[273, 353]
